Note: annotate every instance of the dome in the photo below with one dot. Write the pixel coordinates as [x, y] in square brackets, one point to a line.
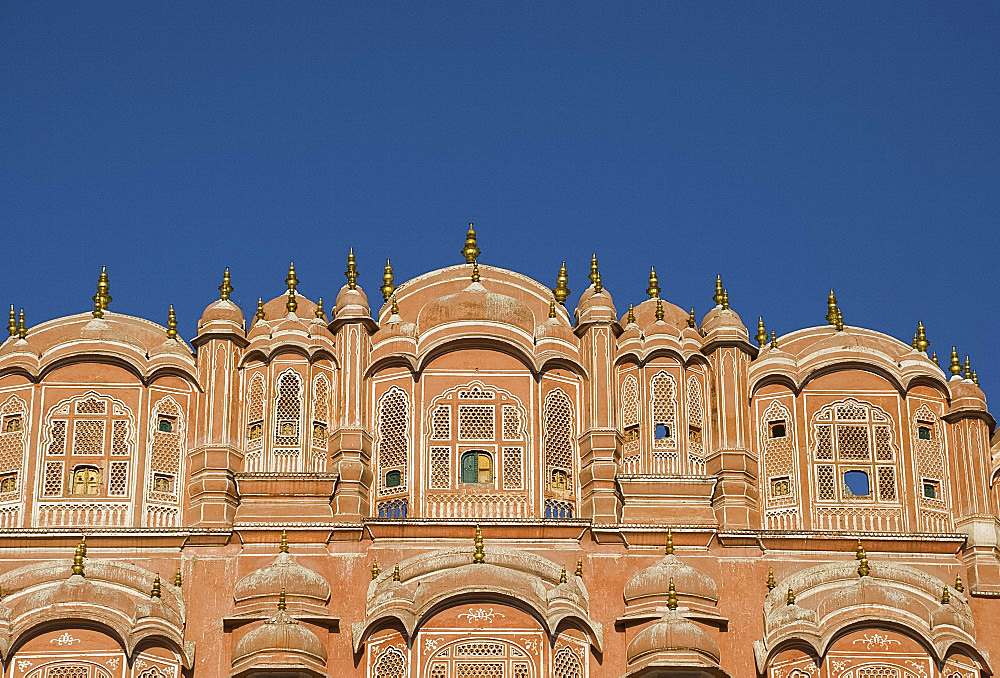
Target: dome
[351, 303]
[672, 633]
[221, 313]
[280, 641]
[300, 584]
[722, 318]
[651, 585]
[595, 307]
[277, 307]
[475, 302]
[645, 314]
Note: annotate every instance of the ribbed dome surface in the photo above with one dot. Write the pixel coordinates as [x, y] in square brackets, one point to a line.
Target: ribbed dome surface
[654, 582]
[221, 311]
[672, 633]
[474, 303]
[283, 573]
[280, 635]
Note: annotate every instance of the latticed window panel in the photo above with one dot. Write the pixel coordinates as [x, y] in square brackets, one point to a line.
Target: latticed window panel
[851, 411]
[321, 411]
[481, 649]
[441, 423]
[521, 670]
[438, 671]
[476, 422]
[393, 443]
[511, 423]
[513, 468]
[557, 433]
[288, 409]
[824, 442]
[64, 671]
[778, 452]
[440, 468]
[120, 438]
[826, 486]
[13, 437]
[391, 663]
[118, 479]
[630, 401]
[255, 412]
[887, 483]
[928, 447]
[663, 411]
[91, 406]
[852, 442]
[695, 409]
[476, 393]
[88, 437]
[479, 670]
[878, 672]
[57, 437]
[165, 451]
[566, 664]
[52, 484]
[883, 443]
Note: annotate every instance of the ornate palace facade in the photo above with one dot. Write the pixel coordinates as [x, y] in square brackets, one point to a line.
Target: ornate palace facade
[482, 481]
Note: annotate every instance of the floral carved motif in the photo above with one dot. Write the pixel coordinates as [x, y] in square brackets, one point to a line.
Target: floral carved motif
[481, 615]
[876, 640]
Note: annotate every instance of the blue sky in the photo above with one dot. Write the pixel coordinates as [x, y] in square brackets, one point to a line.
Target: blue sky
[791, 147]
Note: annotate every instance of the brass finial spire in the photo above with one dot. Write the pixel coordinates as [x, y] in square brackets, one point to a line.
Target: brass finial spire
[863, 569]
[579, 567]
[598, 285]
[654, 284]
[395, 573]
[282, 604]
[12, 322]
[352, 271]
[479, 556]
[98, 312]
[78, 560]
[291, 305]
[860, 551]
[561, 291]
[922, 342]
[22, 328]
[83, 545]
[691, 320]
[178, 579]
[630, 318]
[155, 593]
[291, 280]
[103, 288]
[259, 315]
[770, 579]
[761, 332]
[387, 286]
[774, 339]
[914, 342]
[975, 378]
[935, 358]
[840, 321]
[471, 249]
[959, 586]
[790, 597]
[725, 299]
[594, 273]
[394, 307]
[956, 367]
[283, 546]
[319, 308]
[171, 323]
[562, 576]
[967, 370]
[670, 542]
[226, 288]
[831, 309]
[659, 309]
[375, 571]
[717, 297]
[475, 271]
[672, 595]
[945, 596]
[552, 308]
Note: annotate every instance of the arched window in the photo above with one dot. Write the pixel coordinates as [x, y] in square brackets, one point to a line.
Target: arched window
[393, 479]
[86, 480]
[393, 439]
[854, 436]
[695, 409]
[566, 664]
[13, 443]
[165, 452]
[777, 450]
[477, 467]
[928, 447]
[320, 421]
[663, 412]
[255, 413]
[288, 409]
[391, 663]
[558, 433]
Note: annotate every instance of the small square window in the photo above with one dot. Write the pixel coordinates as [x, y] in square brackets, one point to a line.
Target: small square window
[924, 431]
[8, 483]
[163, 483]
[661, 431]
[778, 429]
[12, 423]
[165, 425]
[393, 479]
[856, 484]
[932, 489]
[780, 487]
[631, 434]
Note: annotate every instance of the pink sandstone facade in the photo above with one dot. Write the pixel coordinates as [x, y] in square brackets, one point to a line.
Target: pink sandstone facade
[482, 481]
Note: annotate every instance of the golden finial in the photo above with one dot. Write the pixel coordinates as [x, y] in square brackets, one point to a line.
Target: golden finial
[283, 546]
[178, 579]
[394, 307]
[945, 596]
[226, 288]
[83, 545]
[671, 595]
[103, 288]
[774, 339]
[552, 308]
[395, 573]
[630, 318]
[98, 312]
[935, 358]
[959, 586]
[479, 556]
[475, 271]
[670, 542]
[654, 284]
[717, 297]
[956, 367]
[975, 378]
[967, 370]
[375, 571]
[562, 576]
[471, 249]
[831, 309]
[770, 579]
[579, 568]
[725, 299]
[171, 323]
[155, 593]
[291, 305]
[593, 269]
[863, 569]
[913, 343]
[291, 280]
[790, 597]
[282, 604]
[352, 271]
[319, 308]
[22, 328]
[387, 286]
[659, 309]
[78, 561]
[691, 320]
[12, 322]
[840, 321]
[598, 286]
[860, 551]
[922, 342]
[259, 315]
[761, 332]
[561, 291]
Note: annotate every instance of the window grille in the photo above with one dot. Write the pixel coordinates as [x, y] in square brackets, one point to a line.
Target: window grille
[391, 663]
[393, 427]
[475, 422]
[120, 438]
[91, 406]
[566, 664]
[778, 454]
[511, 423]
[557, 432]
[321, 411]
[165, 452]
[929, 451]
[513, 474]
[65, 671]
[288, 409]
[88, 437]
[630, 402]
[440, 468]
[57, 437]
[13, 441]
[255, 412]
[441, 423]
[695, 407]
[53, 483]
[118, 479]
[663, 410]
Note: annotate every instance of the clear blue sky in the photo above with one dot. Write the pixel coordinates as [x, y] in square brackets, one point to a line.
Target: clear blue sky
[791, 147]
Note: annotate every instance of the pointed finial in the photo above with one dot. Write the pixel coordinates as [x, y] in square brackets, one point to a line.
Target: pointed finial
[22, 328]
[774, 339]
[630, 318]
[178, 579]
[914, 342]
[561, 291]
[319, 308]
[471, 249]
[717, 297]
[691, 319]
[761, 332]
[670, 542]
[770, 579]
[863, 569]
[579, 567]
[945, 596]
[562, 576]
[394, 307]
[103, 288]
[98, 312]
[840, 321]
[593, 269]
[283, 546]
[291, 280]
[352, 271]
[78, 560]
[395, 573]
[387, 286]
[935, 358]
[922, 342]
[282, 604]
[790, 597]
[967, 370]
[860, 551]
[479, 556]
[375, 571]
[552, 308]
[83, 545]
[831, 309]
[598, 286]
[226, 288]
[171, 323]
[725, 299]
[259, 315]
[291, 305]
[956, 367]
[659, 309]
[155, 593]
[671, 595]
[654, 284]
[959, 586]
[475, 271]
[12, 322]
[975, 378]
